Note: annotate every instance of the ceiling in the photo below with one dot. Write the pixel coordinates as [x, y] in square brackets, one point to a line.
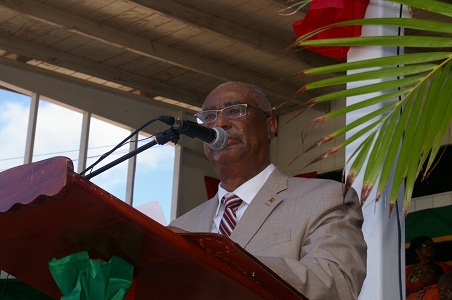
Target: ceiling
[173, 51]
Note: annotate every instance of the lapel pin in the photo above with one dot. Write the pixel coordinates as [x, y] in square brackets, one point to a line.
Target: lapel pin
[271, 200]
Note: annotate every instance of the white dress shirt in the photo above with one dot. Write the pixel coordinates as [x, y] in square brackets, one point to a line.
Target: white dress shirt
[246, 192]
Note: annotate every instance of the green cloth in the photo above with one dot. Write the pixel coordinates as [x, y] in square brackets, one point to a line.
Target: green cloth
[80, 278]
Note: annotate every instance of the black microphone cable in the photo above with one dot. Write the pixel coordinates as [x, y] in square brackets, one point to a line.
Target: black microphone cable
[122, 143]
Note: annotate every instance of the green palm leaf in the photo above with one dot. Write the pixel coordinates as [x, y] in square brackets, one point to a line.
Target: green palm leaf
[415, 95]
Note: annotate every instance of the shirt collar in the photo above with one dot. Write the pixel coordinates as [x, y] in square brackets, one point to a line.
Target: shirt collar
[248, 190]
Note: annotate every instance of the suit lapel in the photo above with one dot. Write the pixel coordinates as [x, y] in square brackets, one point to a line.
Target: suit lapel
[265, 201]
[206, 217]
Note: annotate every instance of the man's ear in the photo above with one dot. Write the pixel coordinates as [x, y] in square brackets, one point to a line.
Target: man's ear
[272, 127]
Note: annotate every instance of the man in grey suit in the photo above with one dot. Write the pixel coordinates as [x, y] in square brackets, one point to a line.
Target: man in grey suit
[302, 229]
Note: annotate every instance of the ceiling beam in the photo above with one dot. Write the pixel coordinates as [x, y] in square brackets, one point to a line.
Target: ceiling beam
[142, 46]
[126, 109]
[57, 58]
[234, 32]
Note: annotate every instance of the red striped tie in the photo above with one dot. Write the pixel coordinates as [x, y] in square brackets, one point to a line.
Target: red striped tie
[229, 220]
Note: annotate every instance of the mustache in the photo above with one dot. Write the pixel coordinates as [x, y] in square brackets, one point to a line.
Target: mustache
[234, 135]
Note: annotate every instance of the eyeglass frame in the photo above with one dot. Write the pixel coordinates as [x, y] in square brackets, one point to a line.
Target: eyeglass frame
[217, 111]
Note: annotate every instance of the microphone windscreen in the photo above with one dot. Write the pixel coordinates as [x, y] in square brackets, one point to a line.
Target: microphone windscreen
[220, 141]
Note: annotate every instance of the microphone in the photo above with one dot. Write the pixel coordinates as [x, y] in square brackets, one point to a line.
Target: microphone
[216, 138]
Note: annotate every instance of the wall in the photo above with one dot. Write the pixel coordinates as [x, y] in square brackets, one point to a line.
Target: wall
[192, 191]
[288, 147]
[431, 201]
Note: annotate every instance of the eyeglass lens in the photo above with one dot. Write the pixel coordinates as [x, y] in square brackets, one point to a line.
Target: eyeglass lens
[233, 111]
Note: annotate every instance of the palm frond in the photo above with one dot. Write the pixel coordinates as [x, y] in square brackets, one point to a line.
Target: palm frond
[414, 95]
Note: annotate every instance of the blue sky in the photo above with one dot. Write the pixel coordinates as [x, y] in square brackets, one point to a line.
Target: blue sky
[58, 134]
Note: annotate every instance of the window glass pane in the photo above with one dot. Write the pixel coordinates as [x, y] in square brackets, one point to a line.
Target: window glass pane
[103, 137]
[57, 132]
[14, 111]
[154, 179]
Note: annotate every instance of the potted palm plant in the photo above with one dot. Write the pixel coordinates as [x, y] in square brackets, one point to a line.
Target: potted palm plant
[411, 128]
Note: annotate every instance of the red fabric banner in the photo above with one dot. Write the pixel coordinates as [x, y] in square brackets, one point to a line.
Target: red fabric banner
[326, 12]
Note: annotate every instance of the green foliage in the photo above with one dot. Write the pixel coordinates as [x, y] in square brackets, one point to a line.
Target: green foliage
[414, 92]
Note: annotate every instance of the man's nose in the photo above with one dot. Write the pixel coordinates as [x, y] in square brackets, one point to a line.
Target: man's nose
[222, 121]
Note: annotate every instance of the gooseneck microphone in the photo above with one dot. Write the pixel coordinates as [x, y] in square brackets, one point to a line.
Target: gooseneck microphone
[216, 138]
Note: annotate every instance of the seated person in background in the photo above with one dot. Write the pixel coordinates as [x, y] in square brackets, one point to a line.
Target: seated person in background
[422, 248]
[430, 275]
[305, 230]
[445, 286]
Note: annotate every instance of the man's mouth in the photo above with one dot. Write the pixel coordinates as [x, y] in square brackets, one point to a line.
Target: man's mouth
[233, 140]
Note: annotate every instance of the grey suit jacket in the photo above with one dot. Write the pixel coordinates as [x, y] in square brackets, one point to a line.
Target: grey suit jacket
[302, 229]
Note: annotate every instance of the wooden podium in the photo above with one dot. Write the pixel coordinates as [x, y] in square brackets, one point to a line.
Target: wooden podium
[48, 211]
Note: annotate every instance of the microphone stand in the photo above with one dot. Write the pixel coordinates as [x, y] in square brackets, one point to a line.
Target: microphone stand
[161, 138]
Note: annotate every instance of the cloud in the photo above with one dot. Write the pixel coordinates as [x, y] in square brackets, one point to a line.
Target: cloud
[153, 159]
[159, 157]
[13, 131]
[58, 133]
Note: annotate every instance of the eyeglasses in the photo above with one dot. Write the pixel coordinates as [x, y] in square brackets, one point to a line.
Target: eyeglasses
[426, 245]
[230, 112]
